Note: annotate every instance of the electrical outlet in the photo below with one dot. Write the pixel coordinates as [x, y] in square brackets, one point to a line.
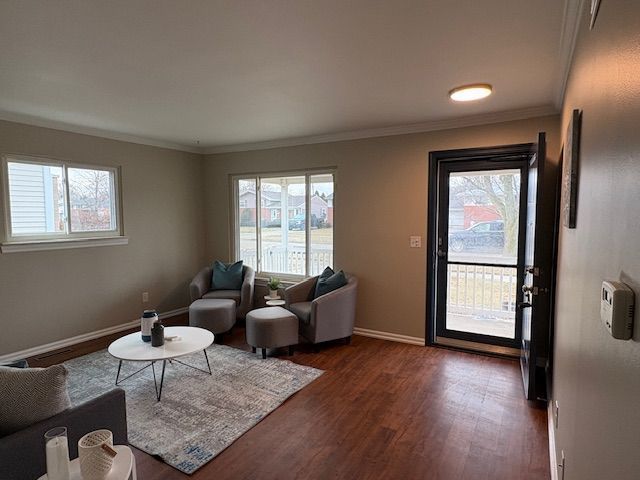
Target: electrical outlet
[556, 413]
[145, 297]
[415, 241]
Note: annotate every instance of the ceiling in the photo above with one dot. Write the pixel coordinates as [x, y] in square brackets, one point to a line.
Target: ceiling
[209, 74]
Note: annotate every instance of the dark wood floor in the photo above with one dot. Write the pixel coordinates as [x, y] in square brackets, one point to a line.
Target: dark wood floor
[387, 410]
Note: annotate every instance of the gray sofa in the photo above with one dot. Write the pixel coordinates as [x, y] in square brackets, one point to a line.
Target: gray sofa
[328, 317]
[200, 288]
[22, 454]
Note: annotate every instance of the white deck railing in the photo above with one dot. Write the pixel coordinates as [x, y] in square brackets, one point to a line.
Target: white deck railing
[482, 288]
[277, 260]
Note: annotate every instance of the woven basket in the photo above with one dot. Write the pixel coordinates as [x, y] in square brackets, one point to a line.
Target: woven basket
[95, 463]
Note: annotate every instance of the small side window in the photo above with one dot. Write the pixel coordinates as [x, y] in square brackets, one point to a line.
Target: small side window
[48, 200]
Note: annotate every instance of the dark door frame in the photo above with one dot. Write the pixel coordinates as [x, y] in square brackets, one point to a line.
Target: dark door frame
[436, 159]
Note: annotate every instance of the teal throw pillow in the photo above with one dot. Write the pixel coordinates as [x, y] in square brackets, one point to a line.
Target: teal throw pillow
[329, 283]
[226, 276]
[326, 273]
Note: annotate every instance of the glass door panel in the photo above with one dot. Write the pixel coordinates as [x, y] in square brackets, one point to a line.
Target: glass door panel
[480, 250]
[483, 232]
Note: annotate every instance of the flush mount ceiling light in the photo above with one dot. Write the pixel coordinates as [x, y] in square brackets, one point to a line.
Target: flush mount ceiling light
[468, 93]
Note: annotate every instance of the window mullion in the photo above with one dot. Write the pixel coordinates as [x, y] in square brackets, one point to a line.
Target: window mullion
[235, 200]
[307, 236]
[115, 217]
[67, 198]
[258, 225]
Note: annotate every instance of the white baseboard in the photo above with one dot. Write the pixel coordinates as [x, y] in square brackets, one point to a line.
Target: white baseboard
[67, 342]
[393, 337]
[553, 461]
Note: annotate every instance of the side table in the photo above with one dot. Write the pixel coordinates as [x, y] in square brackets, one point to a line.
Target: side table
[124, 466]
[274, 302]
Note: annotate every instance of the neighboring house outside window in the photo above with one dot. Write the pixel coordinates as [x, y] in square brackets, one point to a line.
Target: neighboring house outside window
[284, 240]
[49, 200]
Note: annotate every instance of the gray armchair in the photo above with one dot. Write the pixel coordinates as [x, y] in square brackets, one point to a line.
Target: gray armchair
[200, 287]
[328, 317]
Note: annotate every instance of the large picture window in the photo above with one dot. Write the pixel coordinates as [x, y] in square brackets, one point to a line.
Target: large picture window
[49, 200]
[284, 224]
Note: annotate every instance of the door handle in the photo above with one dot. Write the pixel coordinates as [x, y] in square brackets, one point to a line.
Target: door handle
[523, 305]
[529, 289]
[441, 253]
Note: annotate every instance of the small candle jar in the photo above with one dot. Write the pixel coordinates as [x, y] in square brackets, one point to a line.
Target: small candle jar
[157, 335]
[57, 453]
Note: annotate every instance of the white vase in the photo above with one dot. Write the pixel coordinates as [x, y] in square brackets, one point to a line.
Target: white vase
[149, 317]
[273, 293]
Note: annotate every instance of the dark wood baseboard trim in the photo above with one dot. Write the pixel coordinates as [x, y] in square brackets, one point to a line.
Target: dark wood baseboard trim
[67, 353]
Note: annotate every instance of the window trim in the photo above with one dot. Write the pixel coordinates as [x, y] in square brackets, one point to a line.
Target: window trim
[234, 234]
[70, 239]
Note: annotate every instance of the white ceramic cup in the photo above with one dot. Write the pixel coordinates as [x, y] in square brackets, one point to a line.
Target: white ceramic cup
[95, 462]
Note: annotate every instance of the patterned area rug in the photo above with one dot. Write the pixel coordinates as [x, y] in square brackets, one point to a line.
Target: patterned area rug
[199, 415]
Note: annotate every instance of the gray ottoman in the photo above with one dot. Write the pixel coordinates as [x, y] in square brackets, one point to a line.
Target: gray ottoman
[217, 315]
[272, 327]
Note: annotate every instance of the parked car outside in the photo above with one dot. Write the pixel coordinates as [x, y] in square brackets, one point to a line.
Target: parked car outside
[297, 222]
[483, 234]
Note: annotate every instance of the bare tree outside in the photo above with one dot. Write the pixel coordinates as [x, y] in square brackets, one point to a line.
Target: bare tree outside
[90, 195]
[484, 197]
[503, 193]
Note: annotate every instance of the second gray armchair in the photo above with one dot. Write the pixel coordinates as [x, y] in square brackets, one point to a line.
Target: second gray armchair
[200, 287]
[328, 317]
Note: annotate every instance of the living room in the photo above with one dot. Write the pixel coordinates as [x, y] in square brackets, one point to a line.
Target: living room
[185, 107]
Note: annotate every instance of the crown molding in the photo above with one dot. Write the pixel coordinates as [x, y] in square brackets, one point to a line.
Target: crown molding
[431, 126]
[95, 132]
[568, 36]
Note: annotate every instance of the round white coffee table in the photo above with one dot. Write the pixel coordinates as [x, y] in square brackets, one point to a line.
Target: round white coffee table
[131, 348]
[124, 466]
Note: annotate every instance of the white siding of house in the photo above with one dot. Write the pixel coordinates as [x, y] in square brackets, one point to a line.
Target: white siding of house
[456, 219]
[28, 199]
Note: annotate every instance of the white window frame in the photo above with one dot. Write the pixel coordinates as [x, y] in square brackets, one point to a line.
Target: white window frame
[69, 239]
[235, 220]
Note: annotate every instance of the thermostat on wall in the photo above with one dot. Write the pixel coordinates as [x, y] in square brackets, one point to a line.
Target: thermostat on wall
[616, 309]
